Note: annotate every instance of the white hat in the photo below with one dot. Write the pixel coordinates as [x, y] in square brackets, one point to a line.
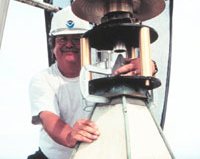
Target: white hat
[65, 22]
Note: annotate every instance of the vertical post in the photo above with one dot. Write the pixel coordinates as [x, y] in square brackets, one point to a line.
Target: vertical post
[145, 53]
[85, 53]
[3, 14]
[128, 145]
[133, 53]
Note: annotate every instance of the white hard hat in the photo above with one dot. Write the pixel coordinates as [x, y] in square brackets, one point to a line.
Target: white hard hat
[65, 22]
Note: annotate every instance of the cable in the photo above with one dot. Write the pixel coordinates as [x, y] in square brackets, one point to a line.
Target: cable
[168, 68]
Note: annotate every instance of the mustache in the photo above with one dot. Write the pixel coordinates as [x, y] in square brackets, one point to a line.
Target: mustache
[69, 50]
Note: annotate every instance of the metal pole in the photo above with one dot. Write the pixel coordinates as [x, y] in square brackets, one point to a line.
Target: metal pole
[128, 145]
[133, 53]
[42, 5]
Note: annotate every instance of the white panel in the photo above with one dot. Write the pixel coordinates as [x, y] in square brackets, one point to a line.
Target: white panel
[111, 143]
[145, 139]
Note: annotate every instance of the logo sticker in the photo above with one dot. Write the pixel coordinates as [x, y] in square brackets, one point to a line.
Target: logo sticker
[70, 24]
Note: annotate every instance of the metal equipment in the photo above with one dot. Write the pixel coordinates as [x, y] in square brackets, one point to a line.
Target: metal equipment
[93, 11]
[128, 130]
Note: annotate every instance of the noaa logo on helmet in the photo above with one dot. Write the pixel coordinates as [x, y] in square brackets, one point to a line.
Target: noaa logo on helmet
[70, 24]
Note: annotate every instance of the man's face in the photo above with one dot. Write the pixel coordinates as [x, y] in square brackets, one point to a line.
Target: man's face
[67, 49]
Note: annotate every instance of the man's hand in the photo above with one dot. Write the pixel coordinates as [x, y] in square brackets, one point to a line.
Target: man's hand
[132, 68]
[83, 130]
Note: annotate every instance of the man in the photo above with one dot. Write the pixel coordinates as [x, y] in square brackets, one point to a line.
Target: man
[55, 94]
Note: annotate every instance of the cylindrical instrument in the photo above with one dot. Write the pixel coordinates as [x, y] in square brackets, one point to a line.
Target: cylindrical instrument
[145, 52]
[85, 51]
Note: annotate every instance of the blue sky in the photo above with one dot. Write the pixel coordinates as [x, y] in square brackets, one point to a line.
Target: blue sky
[24, 53]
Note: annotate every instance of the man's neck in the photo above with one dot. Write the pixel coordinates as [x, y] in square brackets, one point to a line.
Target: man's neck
[69, 70]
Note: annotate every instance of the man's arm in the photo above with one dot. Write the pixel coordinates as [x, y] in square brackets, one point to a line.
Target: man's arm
[83, 130]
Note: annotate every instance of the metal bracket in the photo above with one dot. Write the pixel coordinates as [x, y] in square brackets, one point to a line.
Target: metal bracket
[84, 83]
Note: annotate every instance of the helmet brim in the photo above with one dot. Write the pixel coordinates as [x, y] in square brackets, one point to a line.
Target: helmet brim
[66, 31]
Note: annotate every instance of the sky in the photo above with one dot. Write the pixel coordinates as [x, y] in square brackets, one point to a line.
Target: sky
[183, 113]
[24, 53]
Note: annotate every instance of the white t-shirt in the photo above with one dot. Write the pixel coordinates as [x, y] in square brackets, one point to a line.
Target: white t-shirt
[51, 91]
